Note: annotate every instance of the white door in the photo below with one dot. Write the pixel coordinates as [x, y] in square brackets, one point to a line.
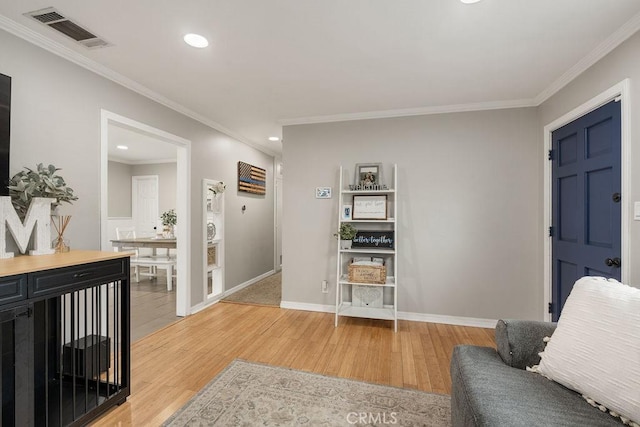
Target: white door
[145, 204]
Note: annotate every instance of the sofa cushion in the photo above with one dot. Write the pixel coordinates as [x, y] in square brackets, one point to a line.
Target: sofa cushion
[520, 341]
[595, 349]
[487, 392]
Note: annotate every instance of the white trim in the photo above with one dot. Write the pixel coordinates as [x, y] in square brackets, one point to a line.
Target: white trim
[183, 198]
[621, 90]
[62, 51]
[249, 282]
[202, 305]
[421, 111]
[322, 308]
[141, 162]
[449, 320]
[402, 315]
[628, 29]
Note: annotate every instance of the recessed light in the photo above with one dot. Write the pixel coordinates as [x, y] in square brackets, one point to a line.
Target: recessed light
[469, 1]
[196, 40]
[122, 147]
[274, 138]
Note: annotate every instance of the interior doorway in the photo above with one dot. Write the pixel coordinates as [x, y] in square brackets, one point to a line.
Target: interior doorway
[182, 149]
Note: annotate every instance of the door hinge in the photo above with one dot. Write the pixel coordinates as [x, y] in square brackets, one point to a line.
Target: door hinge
[551, 231]
[551, 154]
[550, 307]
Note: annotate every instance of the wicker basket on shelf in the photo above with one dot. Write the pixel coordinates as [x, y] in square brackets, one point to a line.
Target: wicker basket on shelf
[376, 274]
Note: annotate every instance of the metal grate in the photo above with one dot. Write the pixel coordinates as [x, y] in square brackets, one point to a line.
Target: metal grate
[72, 30]
[56, 21]
[48, 17]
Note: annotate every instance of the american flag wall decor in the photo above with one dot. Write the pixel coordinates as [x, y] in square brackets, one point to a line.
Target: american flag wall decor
[251, 179]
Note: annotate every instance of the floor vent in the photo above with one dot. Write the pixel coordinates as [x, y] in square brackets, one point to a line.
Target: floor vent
[57, 21]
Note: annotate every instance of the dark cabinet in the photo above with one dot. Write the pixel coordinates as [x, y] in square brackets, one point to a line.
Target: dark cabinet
[65, 343]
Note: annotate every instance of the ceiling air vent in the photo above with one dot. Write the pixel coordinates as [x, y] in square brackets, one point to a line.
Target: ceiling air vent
[56, 21]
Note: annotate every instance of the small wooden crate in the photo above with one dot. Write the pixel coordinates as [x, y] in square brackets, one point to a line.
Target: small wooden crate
[368, 274]
[211, 256]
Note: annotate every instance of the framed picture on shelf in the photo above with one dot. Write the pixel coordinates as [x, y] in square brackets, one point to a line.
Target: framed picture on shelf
[346, 212]
[368, 175]
[369, 207]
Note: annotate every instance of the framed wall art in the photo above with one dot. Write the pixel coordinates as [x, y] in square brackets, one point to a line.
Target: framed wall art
[323, 192]
[369, 207]
[368, 175]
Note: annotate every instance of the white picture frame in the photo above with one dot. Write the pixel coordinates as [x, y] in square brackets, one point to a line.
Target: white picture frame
[323, 192]
[346, 212]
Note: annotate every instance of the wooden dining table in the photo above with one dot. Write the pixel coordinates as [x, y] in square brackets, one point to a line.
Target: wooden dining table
[145, 242]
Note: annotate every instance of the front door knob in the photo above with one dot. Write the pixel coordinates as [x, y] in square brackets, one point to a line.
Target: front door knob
[613, 262]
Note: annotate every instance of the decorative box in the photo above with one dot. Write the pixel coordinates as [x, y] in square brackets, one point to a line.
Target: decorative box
[376, 274]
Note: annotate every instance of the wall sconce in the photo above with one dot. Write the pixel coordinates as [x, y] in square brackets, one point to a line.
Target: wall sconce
[244, 208]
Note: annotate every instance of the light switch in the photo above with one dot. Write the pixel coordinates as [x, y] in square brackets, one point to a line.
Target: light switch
[636, 211]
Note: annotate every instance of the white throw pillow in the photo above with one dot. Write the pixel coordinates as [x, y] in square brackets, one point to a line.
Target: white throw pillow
[595, 350]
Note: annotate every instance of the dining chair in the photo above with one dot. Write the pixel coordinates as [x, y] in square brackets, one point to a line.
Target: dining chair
[152, 262]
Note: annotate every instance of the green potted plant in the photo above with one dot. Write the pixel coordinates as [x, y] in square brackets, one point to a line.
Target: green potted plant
[169, 220]
[346, 233]
[42, 182]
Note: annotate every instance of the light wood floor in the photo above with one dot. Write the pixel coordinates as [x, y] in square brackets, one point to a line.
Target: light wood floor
[171, 365]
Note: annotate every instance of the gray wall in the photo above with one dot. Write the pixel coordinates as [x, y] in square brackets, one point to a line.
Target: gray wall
[55, 118]
[623, 62]
[468, 200]
[120, 184]
[119, 197]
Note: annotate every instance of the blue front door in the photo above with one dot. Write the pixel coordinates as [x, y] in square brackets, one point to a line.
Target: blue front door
[586, 201]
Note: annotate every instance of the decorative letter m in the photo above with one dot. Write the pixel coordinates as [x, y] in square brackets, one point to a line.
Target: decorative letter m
[38, 217]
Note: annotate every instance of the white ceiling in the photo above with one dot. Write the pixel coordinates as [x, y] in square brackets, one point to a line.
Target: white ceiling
[141, 148]
[293, 61]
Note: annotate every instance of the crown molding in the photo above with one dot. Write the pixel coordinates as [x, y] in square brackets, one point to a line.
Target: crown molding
[421, 111]
[64, 52]
[614, 40]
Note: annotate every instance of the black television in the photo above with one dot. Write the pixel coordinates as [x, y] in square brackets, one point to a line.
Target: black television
[5, 132]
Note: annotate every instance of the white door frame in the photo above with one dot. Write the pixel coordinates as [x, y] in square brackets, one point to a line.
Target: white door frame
[619, 92]
[277, 210]
[183, 198]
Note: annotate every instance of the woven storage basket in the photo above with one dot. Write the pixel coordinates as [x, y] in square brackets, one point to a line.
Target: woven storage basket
[368, 274]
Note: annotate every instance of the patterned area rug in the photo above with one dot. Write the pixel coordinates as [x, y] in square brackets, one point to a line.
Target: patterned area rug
[250, 394]
[267, 291]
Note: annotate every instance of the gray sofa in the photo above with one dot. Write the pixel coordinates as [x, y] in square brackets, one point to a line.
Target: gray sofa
[493, 388]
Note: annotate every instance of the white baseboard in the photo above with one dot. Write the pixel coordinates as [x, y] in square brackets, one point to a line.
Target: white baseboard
[449, 320]
[308, 307]
[402, 315]
[245, 284]
[201, 306]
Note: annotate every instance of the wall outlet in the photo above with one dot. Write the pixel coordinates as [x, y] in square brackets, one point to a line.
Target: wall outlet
[325, 287]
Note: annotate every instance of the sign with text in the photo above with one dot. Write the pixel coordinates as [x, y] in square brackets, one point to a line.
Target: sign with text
[370, 207]
[374, 239]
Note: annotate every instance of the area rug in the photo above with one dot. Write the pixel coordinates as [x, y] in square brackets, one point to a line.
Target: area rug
[267, 291]
[251, 394]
